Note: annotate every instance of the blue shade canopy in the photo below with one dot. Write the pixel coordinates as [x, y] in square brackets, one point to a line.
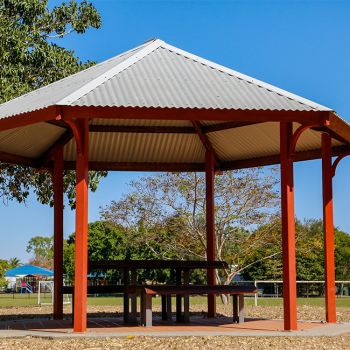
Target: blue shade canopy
[28, 270]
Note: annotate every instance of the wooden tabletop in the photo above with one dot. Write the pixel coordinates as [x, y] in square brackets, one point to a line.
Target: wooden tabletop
[156, 264]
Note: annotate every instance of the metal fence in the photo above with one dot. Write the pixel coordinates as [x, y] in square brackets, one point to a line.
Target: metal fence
[305, 289]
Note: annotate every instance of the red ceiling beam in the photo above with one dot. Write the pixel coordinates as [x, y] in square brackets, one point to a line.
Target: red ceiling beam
[339, 128]
[138, 166]
[59, 123]
[15, 159]
[205, 141]
[154, 129]
[30, 118]
[195, 114]
[60, 143]
[143, 129]
[275, 159]
[225, 126]
[189, 167]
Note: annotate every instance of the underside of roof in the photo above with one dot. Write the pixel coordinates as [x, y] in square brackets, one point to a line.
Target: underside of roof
[157, 104]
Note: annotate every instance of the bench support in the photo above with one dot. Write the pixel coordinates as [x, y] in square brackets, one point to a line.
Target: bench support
[166, 308]
[126, 297]
[238, 308]
[133, 299]
[146, 310]
[186, 315]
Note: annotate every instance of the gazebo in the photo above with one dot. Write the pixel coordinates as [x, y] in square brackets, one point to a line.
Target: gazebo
[159, 108]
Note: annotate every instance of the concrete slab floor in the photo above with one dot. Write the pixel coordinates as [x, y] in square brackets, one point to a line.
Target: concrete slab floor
[199, 326]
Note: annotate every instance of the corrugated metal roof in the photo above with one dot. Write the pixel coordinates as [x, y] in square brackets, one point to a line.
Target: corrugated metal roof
[159, 75]
[51, 94]
[164, 78]
[139, 147]
[29, 141]
[259, 140]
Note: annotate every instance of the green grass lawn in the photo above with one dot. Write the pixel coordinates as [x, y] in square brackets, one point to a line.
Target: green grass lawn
[16, 300]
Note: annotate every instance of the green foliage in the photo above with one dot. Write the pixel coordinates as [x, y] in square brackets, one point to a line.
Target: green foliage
[4, 266]
[42, 248]
[342, 255]
[263, 262]
[109, 242]
[14, 262]
[166, 213]
[29, 60]
[309, 254]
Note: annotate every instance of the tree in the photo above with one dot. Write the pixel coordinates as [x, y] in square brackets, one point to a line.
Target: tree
[168, 211]
[29, 59]
[109, 242]
[4, 266]
[309, 254]
[14, 262]
[42, 248]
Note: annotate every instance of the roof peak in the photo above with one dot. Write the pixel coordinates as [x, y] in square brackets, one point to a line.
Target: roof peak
[78, 88]
[154, 43]
[149, 46]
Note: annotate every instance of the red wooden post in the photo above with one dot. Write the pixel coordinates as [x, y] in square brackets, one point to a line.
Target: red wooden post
[288, 229]
[81, 229]
[57, 179]
[328, 228]
[210, 222]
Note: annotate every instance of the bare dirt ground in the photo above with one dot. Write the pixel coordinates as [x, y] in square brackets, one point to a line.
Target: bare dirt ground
[177, 343]
[181, 343]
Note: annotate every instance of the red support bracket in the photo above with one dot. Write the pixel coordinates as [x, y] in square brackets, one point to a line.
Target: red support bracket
[336, 162]
[206, 142]
[296, 137]
[77, 134]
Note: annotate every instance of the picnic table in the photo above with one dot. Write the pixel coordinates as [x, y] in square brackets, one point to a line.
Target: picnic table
[181, 290]
[182, 270]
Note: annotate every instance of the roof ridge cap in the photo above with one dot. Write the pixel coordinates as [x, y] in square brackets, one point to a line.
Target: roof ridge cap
[89, 86]
[247, 78]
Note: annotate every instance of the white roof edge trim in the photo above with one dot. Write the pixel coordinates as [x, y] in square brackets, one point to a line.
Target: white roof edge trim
[76, 95]
[247, 78]
[69, 76]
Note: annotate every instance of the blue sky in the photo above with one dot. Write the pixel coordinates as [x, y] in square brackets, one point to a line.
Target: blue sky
[301, 46]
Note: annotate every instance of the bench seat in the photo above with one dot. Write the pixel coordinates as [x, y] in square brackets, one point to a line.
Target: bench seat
[166, 291]
[237, 292]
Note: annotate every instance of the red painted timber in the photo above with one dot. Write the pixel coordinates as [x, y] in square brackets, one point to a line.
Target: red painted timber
[328, 227]
[29, 118]
[275, 159]
[16, 159]
[81, 228]
[174, 167]
[288, 229]
[138, 166]
[210, 223]
[57, 180]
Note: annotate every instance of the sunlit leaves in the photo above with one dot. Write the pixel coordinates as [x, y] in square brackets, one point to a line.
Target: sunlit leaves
[30, 60]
